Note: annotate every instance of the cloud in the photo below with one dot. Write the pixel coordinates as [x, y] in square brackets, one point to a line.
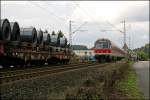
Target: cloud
[55, 15]
[136, 13]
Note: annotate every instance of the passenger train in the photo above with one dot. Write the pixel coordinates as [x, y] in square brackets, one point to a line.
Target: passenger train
[106, 51]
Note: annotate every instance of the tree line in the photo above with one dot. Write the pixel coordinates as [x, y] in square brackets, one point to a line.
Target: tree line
[143, 52]
[59, 33]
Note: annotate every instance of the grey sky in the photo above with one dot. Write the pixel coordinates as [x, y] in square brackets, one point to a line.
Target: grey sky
[55, 15]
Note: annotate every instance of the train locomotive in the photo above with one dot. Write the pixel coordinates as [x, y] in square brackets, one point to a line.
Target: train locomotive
[28, 46]
[106, 51]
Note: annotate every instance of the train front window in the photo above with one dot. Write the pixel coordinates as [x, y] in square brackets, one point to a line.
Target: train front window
[103, 44]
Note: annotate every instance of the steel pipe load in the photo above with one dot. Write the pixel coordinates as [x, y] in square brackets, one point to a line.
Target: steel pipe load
[63, 41]
[28, 35]
[15, 31]
[54, 40]
[46, 38]
[5, 30]
[40, 37]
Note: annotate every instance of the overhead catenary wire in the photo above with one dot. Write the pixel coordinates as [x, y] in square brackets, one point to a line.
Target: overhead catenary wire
[115, 27]
[55, 7]
[95, 21]
[106, 21]
[91, 17]
[51, 13]
[79, 27]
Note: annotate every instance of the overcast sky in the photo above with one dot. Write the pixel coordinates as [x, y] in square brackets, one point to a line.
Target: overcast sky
[55, 15]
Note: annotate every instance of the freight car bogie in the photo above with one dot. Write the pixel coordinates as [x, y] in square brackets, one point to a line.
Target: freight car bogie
[57, 60]
[31, 56]
[34, 62]
[53, 60]
[64, 61]
[7, 61]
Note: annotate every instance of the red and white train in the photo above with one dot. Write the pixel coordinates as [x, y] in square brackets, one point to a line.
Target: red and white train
[106, 50]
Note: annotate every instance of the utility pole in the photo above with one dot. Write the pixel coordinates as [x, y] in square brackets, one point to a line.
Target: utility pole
[124, 24]
[125, 45]
[129, 42]
[70, 34]
[124, 33]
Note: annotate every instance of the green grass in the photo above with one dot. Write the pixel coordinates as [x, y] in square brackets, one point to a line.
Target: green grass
[128, 85]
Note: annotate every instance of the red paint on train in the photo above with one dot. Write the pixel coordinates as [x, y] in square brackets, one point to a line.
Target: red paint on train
[102, 51]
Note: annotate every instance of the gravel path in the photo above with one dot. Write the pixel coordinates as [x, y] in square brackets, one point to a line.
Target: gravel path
[142, 70]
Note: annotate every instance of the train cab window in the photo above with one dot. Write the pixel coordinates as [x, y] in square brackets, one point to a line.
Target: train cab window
[105, 45]
[102, 44]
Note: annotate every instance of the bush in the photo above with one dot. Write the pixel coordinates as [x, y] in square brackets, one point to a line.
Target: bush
[100, 84]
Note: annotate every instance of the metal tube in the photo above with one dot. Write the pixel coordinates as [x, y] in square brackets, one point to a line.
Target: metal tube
[63, 41]
[5, 30]
[55, 40]
[28, 35]
[15, 31]
[46, 38]
[39, 37]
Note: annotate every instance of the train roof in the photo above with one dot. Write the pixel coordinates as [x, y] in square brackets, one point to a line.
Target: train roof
[100, 39]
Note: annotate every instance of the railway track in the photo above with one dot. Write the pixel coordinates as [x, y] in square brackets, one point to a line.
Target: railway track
[11, 76]
[15, 71]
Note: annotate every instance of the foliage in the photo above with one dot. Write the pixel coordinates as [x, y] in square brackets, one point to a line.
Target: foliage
[90, 90]
[53, 33]
[46, 31]
[142, 55]
[128, 85]
[100, 84]
[60, 34]
[143, 52]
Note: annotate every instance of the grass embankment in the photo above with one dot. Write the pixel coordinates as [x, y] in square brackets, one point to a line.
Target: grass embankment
[114, 82]
[128, 85]
[100, 84]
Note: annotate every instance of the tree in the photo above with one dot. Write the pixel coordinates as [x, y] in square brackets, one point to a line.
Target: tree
[60, 34]
[46, 31]
[53, 33]
[142, 55]
[143, 52]
[41, 31]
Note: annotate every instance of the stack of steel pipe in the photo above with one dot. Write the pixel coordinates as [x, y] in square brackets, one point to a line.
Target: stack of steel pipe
[28, 35]
[5, 30]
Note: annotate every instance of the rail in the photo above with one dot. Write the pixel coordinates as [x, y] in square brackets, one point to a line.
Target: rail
[11, 76]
